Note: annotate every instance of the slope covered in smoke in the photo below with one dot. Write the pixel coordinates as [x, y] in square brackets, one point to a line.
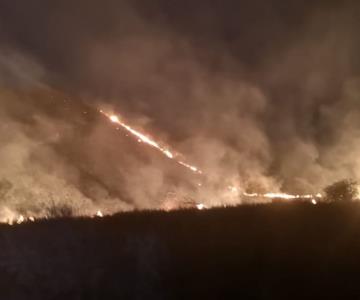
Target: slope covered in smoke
[259, 96]
[62, 154]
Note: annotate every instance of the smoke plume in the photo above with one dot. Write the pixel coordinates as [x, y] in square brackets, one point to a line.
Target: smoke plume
[260, 97]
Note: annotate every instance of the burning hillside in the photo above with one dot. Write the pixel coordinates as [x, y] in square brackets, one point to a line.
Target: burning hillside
[150, 106]
[230, 195]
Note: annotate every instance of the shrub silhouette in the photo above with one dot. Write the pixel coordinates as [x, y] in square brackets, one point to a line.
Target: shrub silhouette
[341, 191]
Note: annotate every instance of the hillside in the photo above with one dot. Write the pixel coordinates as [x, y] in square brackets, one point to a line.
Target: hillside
[268, 251]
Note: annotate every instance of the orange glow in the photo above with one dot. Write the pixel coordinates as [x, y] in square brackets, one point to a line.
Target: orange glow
[142, 138]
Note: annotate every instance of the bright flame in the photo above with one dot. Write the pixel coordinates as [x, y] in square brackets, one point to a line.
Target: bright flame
[251, 195]
[192, 168]
[145, 139]
[200, 206]
[114, 119]
[281, 196]
[20, 219]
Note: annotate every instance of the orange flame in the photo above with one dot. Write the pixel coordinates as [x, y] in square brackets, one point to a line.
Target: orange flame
[147, 140]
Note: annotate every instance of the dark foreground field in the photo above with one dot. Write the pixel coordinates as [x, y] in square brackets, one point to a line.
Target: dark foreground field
[268, 252]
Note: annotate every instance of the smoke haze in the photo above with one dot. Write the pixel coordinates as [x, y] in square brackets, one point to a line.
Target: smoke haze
[264, 97]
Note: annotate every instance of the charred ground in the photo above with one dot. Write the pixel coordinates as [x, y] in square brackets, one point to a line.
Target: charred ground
[266, 251]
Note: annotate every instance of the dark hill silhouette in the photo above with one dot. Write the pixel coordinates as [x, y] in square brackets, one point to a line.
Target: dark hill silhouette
[273, 251]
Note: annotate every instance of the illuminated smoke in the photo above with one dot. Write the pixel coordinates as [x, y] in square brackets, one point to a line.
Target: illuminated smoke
[284, 117]
[200, 201]
[146, 139]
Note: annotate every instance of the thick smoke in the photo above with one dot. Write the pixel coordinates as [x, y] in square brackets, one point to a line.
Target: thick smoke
[260, 97]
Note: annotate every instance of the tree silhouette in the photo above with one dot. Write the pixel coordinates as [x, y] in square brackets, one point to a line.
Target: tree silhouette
[341, 191]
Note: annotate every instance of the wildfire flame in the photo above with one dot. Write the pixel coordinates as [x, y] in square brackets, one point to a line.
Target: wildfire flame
[282, 196]
[201, 206]
[10, 217]
[13, 218]
[147, 140]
